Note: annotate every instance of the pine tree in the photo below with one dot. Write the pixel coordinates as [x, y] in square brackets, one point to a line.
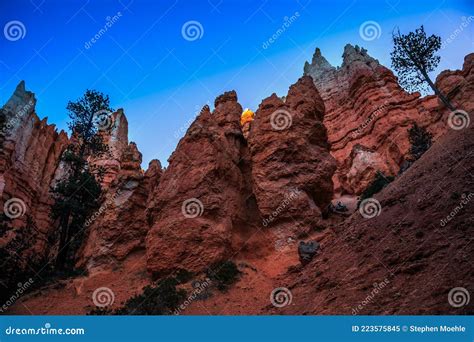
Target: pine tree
[78, 194]
[413, 57]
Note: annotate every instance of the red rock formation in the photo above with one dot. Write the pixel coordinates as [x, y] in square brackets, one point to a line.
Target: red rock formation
[198, 200]
[406, 258]
[119, 226]
[458, 85]
[368, 115]
[232, 189]
[116, 139]
[29, 164]
[404, 261]
[291, 164]
[212, 199]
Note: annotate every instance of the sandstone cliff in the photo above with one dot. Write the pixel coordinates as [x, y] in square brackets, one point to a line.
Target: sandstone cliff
[29, 164]
[368, 114]
[119, 226]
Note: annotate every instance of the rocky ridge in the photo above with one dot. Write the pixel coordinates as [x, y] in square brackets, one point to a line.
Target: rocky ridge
[222, 196]
[368, 114]
[29, 166]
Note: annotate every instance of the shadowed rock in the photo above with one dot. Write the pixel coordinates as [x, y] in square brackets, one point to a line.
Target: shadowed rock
[307, 251]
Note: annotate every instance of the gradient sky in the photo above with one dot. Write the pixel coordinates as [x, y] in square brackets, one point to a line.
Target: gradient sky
[162, 79]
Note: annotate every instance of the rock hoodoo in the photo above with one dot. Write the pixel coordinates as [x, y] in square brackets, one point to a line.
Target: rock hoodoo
[119, 227]
[29, 164]
[368, 115]
[290, 155]
[198, 201]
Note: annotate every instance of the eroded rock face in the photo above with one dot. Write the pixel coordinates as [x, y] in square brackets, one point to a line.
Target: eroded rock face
[291, 164]
[119, 226]
[458, 85]
[217, 185]
[116, 139]
[422, 239]
[198, 202]
[29, 164]
[368, 115]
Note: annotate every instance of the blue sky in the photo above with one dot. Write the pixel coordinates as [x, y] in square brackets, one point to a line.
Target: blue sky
[161, 79]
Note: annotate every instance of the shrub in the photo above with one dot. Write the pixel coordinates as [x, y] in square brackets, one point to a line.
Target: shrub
[380, 181]
[223, 274]
[164, 298]
[420, 140]
[183, 276]
[160, 299]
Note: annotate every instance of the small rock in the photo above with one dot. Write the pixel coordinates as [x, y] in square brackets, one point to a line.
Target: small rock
[307, 251]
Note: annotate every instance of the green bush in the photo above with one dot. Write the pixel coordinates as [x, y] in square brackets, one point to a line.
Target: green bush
[163, 298]
[160, 299]
[380, 181]
[223, 274]
[420, 140]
